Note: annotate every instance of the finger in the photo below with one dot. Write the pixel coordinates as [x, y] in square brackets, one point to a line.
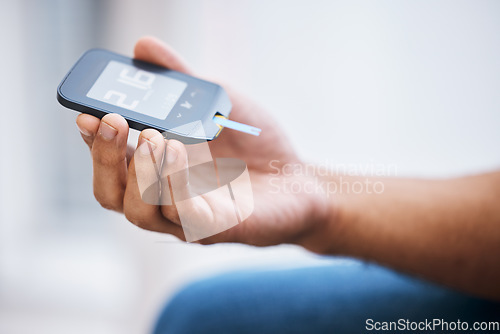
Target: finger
[175, 170]
[190, 210]
[110, 163]
[142, 193]
[153, 50]
[88, 126]
[146, 164]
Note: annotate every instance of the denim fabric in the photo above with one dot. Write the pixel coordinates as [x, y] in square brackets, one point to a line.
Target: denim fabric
[336, 298]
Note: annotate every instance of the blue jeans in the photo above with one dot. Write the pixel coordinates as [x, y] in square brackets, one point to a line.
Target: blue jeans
[337, 298]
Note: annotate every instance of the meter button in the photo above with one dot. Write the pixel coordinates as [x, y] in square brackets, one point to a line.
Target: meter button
[186, 105]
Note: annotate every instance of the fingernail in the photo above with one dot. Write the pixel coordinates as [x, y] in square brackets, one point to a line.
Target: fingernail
[84, 131]
[171, 155]
[147, 147]
[107, 131]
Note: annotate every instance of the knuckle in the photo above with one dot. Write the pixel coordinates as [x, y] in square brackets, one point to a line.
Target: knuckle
[207, 241]
[170, 212]
[139, 221]
[107, 203]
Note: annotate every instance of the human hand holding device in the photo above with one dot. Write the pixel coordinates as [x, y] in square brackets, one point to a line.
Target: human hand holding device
[447, 231]
[277, 218]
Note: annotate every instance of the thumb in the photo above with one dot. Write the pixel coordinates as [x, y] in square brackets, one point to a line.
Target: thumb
[153, 50]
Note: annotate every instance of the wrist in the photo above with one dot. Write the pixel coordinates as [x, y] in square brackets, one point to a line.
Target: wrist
[329, 221]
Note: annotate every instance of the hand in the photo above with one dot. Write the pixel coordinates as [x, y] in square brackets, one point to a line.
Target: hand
[278, 217]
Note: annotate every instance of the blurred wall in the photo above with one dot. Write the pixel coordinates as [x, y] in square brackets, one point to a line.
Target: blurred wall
[407, 83]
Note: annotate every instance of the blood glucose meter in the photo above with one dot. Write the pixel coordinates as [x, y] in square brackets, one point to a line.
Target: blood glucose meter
[147, 96]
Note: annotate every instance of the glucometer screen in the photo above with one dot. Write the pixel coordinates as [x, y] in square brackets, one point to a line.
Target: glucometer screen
[144, 92]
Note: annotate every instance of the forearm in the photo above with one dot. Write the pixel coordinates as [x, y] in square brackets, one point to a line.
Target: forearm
[447, 231]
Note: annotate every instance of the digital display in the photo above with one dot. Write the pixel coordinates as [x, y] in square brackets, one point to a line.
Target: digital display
[141, 91]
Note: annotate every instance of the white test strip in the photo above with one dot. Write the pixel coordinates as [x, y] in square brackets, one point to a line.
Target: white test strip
[237, 126]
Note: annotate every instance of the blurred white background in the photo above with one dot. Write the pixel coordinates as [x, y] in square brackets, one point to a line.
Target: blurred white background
[408, 83]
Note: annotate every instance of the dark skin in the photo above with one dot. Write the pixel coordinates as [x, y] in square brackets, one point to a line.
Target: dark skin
[447, 231]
